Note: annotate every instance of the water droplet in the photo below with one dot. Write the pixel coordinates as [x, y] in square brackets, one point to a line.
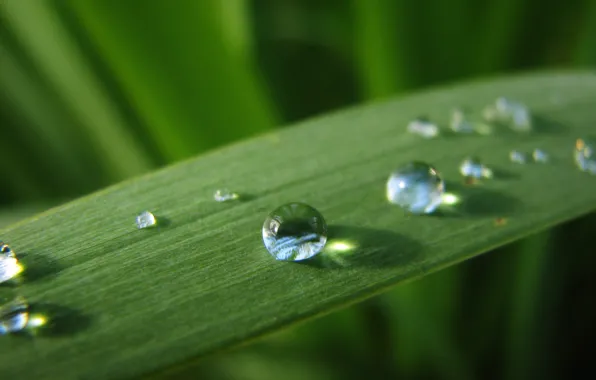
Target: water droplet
[416, 187]
[540, 156]
[145, 220]
[424, 128]
[14, 316]
[224, 195]
[459, 123]
[294, 232]
[517, 157]
[585, 155]
[471, 167]
[9, 265]
[506, 110]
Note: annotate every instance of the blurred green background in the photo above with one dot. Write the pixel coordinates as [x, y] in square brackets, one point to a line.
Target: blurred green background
[97, 91]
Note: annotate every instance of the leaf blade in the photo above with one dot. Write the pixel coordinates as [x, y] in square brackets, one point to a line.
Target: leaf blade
[205, 282]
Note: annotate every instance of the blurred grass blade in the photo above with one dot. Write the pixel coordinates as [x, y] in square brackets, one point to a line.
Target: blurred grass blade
[379, 57]
[142, 301]
[189, 73]
[525, 345]
[48, 135]
[59, 60]
[586, 49]
[497, 34]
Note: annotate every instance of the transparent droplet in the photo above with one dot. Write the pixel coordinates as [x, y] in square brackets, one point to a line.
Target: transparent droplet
[294, 232]
[505, 110]
[9, 265]
[472, 167]
[540, 156]
[585, 155]
[459, 122]
[517, 157]
[521, 119]
[416, 187]
[14, 316]
[224, 195]
[423, 127]
[146, 219]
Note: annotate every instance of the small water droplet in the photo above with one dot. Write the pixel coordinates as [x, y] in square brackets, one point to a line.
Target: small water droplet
[294, 232]
[224, 195]
[506, 110]
[416, 187]
[540, 156]
[471, 167]
[459, 122]
[517, 157]
[585, 155]
[423, 127]
[146, 219]
[14, 316]
[9, 265]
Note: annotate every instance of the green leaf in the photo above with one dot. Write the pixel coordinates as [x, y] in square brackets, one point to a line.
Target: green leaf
[129, 302]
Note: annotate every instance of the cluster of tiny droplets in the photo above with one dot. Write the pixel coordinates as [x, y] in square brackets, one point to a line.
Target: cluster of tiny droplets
[416, 191]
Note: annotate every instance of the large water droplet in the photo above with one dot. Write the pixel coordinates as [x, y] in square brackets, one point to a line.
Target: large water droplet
[224, 195]
[423, 127]
[294, 232]
[14, 316]
[471, 167]
[145, 220]
[416, 187]
[9, 265]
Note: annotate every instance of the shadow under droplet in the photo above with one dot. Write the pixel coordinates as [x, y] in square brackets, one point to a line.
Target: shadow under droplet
[503, 174]
[59, 320]
[37, 267]
[542, 124]
[360, 246]
[163, 222]
[479, 201]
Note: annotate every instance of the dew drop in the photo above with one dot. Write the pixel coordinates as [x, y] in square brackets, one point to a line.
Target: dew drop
[459, 123]
[585, 155]
[416, 187]
[294, 232]
[9, 265]
[506, 110]
[540, 156]
[471, 167]
[14, 316]
[146, 219]
[224, 195]
[517, 157]
[423, 127]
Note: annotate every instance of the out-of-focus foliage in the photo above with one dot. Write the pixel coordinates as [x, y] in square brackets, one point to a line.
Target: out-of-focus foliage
[96, 91]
